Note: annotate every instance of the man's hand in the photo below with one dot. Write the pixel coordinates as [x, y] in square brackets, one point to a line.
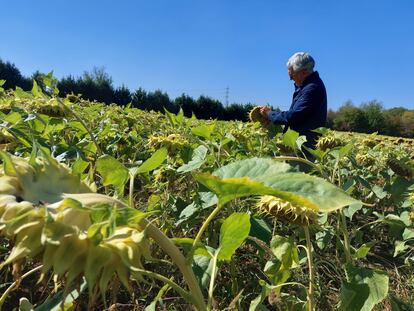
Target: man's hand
[265, 110]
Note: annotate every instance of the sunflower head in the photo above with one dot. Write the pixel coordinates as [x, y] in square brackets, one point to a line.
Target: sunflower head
[328, 142]
[40, 180]
[49, 214]
[287, 211]
[255, 115]
[365, 159]
[403, 167]
[173, 142]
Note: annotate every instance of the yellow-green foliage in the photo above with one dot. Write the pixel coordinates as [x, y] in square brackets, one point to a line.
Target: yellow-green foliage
[173, 142]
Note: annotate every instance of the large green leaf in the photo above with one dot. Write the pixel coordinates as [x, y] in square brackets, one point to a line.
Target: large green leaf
[175, 119]
[202, 267]
[252, 168]
[260, 229]
[326, 196]
[285, 251]
[233, 232]
[290, 138]
[267, 177]
[154, 161]
[204, 130]
[113, 172]
[366, 288]
[8, 166]
[199, 157]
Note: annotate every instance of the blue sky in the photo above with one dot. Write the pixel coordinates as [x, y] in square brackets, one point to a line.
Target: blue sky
[364, 50]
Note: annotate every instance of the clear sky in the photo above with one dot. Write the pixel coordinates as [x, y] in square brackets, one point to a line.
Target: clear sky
[364, 49]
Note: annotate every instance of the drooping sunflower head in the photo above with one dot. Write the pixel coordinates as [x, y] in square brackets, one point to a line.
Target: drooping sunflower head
[287, 211]
[173, 142]
[256, 116]
[41, 180]
[365, 159]
[369, 142]
[49, 213]
[402, 167]
[328, 142]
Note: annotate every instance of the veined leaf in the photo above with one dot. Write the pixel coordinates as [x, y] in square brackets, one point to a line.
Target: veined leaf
[9, 168]
[366, 288]
[266, 177]
[253, 168]
[290, 138]
[233, 232]
[175, 119]
[154, 161]
[36, 90]
[204, 130]
[113, 172]
[285, 251]
[199, 157]
[363, 250]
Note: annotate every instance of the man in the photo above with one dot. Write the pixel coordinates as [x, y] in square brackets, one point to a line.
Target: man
[308, 110]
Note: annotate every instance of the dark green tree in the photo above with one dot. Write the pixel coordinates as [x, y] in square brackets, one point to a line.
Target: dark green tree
[208, 108]
[122, 96]
[186, 103]
[373, 111]
[237, 111]
[97, 85]
[13, 77]
[158, 101]
[350, 118]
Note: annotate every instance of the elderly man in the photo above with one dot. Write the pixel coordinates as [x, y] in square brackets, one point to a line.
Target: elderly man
[308, 110]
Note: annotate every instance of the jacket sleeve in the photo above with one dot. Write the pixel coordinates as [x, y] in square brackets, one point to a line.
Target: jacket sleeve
[302, 109]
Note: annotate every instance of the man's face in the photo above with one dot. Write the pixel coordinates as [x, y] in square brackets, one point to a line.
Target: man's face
[297, 76]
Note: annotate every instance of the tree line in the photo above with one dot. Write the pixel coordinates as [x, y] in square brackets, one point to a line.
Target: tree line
[98, 85]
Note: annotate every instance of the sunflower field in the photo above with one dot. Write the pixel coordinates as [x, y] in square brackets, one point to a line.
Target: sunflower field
[105, 207]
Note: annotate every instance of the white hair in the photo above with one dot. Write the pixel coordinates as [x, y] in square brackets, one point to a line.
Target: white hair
[301, 60]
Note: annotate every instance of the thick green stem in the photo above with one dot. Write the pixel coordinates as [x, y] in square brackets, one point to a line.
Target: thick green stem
[15, 283]
[179, 260]
[347, 245]
[204, 226]
[233, 274]
[311, 271]
[131, 190]
[212, 281]
[182, 292]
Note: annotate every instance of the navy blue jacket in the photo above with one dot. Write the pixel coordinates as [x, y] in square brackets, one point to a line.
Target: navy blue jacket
[308, 110]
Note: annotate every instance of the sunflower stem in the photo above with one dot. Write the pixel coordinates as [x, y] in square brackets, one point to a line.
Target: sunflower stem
[311, 271]
[344, 229]
[212, 281]
[15, 283]
[182, 292]
[131, 190]
[202, 229]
